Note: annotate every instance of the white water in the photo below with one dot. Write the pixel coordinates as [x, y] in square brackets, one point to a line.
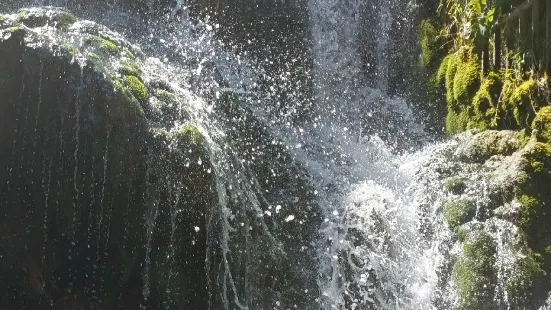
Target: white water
[381, 240]
[372, 253]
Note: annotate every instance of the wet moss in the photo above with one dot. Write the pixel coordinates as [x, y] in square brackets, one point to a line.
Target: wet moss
[542, 124]
[136, 87]
[465, 83]
[104, 45]
[534, 196]
[64, 20]
[458, 212]
[455, 185]
[71, 50]
[443, 69]
[474, 272]
[165, 96]
[486, 100]
[429, 42]
[456, 121]
[523, 102]
[190, 134]
[130, 67]
[39, 18]
[525, 286]
[451, 70]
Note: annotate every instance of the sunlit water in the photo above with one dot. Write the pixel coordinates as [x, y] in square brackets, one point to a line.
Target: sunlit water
[381, 240]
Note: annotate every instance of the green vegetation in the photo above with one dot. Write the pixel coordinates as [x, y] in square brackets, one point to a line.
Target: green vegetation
[474, 272]
[136, 87]
[525, 286]
[38, 18]
[477, 95]
[104, 45]
[458, 212]
[455, 185]
[542, 124]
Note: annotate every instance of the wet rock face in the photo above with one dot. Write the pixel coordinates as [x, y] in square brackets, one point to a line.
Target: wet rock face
[77, 184]
[494, 208]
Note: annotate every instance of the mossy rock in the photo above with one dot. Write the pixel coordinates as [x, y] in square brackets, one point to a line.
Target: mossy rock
[188, 135]
[486, 100]
[524, 101]
[458, 212]
[474, 272]
[535, 198]
[455, 185]
[105, 45]
[457, 121]
[526, 285]
[136, 88]
[451, 66]
[542, 124]
[489, 143]
[443, 69]
[466, 82]
[38, 17]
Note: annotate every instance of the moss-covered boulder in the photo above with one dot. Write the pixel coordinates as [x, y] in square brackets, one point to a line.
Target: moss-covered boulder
[98, 209]
[489, 143]
[458, 212]
[526, 286]
[474, 272]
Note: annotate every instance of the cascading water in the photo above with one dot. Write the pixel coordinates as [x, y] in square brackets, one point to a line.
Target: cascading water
[225, 200]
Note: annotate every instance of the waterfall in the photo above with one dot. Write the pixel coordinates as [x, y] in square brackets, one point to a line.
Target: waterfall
[167, 173]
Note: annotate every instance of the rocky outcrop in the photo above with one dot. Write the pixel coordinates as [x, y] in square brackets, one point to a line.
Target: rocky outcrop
[113, 195]
[495, 206]
[98, 209]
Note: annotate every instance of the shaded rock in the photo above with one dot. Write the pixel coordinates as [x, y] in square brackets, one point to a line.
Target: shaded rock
[87, 187]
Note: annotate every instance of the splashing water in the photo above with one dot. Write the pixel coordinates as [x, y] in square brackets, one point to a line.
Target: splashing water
[381, 239]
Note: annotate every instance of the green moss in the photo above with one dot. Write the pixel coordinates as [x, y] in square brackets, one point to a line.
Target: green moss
[456, 122]
[22, 13]
[442, 70]
[129, 54]
[136, 87]
[474, 273]
[451, 69]
[430, 45]
[104, 45]
[64, 20]
[525, 286]
[542, 124]
[465, 83]
[520, 103]
[455, 185]
[69, 49]
[458, 212]
[39, 18]
[535, 199]
[188, 135]
[486, 100]
[130, 68]
[165, 96]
